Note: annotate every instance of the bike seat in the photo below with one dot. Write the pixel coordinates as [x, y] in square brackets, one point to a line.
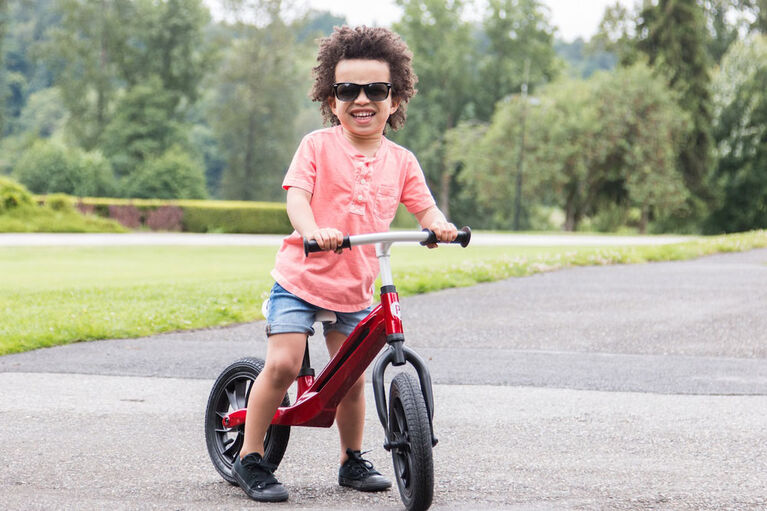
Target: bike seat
[322, 315]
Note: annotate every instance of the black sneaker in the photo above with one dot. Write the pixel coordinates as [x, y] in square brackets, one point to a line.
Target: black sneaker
[255, 477]
[359, 474]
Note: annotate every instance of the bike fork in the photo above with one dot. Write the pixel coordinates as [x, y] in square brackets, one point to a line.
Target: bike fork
[395, 352]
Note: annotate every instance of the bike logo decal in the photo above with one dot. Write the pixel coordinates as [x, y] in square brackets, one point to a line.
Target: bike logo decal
[395, 310]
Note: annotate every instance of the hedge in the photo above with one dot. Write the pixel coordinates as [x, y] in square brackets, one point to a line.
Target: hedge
[192, 215]
[200, 215]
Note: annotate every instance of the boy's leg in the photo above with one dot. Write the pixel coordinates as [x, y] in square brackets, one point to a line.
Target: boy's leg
[350, 414]
[255, 475]
[355, 472]
[284, 354]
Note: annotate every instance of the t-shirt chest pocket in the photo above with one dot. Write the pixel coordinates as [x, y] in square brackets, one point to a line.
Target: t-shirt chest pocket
[386, 202]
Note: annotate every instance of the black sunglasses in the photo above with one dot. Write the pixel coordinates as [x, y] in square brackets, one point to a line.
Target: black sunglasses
[376, 91]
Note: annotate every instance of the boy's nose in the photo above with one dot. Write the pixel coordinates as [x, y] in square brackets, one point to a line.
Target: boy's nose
[362, 97]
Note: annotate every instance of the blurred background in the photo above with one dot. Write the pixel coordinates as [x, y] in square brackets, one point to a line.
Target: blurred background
[651, 119]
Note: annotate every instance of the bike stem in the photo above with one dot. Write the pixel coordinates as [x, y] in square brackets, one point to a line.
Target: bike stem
[390, 303]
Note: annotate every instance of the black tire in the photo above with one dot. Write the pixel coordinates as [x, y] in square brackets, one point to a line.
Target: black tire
[230, 393]
[411, 434]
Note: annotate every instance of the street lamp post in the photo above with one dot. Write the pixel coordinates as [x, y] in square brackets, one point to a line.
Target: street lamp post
[521, 160]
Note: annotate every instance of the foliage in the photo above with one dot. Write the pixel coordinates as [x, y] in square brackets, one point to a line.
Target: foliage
[741, 135]
[254, 106]
[605, 142]
[50, 167]
[672, 33]
[444, 62]
[142, 128]
[101, 47]
[26, 23]
[583, 60]
[20, 213]
[132, 79]
[13, 195]
[173, 175]
[237, 217]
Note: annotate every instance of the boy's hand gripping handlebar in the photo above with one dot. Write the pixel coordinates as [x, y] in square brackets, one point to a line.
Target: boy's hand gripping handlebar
[425, 237]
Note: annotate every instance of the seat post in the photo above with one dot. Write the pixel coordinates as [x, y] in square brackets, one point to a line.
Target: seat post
[306, 374]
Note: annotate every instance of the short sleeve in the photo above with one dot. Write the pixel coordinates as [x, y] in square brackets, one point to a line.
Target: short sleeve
[415, 193]
[302, 171]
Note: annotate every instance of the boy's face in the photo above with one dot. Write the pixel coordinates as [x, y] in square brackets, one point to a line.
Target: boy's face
[362, 117]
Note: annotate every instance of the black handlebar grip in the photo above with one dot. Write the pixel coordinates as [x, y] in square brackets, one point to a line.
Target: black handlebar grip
[464, 237]
[313, 246]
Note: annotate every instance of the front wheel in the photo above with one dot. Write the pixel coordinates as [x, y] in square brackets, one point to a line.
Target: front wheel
[230, 393]
[411, 442]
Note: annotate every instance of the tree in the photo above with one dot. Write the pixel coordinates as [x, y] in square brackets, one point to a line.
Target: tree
[741, 135]
[143, 126]
[102, 47]
[672, 33]
[617, 33]
[643, 122]
[3, 29]
[443, 58]
[254, 105]
[82, 53]
[167, 41]
[517, 31]
[22, 72]
[590, 145]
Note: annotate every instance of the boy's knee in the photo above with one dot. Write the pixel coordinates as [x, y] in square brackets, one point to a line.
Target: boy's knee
[282, 372]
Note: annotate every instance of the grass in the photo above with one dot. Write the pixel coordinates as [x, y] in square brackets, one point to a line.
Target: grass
[52, 295]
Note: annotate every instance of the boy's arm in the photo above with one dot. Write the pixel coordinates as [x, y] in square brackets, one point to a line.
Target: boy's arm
[434, 220]
[302, 218]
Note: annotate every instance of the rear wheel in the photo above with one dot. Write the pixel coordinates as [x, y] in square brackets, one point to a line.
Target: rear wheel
[230, 393]
[411, 439]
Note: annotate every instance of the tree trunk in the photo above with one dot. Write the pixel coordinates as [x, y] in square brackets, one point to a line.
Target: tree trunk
[570, 221]
[644, 219]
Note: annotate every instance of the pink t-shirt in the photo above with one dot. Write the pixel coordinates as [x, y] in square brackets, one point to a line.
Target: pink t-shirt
[355, 194]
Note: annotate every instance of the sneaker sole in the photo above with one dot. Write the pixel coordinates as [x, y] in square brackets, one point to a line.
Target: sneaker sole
[259, 497]
[361, 486]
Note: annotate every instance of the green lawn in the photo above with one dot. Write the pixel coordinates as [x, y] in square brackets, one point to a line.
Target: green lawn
[55, 295]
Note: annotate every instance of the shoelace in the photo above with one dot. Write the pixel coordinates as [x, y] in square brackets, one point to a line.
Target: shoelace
[358, 464]
[263, 468]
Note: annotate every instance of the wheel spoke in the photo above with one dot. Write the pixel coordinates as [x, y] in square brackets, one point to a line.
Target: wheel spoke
[232, 397]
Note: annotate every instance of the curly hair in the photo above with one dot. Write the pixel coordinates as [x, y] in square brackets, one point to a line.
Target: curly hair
[364, 43]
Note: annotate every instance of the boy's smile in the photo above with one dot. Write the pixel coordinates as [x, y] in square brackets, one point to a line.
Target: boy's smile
[363, 120]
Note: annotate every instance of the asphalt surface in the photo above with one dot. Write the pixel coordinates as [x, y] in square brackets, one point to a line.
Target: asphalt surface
[619, 387]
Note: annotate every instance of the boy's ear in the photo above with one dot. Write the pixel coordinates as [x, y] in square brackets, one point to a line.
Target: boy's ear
[394, 104]
[332, 104]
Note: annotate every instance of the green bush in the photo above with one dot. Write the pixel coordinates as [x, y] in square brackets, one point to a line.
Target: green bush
[13, 195]
[49, 167]
[60, 202]
[174, 175]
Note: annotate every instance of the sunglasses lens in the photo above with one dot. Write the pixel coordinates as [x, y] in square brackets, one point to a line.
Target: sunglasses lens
[377, 91]
[347, 91]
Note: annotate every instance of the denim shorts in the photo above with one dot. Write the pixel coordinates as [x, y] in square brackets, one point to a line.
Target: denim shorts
[287, 313]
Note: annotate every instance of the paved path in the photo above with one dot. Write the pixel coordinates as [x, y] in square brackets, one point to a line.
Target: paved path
[620, 387]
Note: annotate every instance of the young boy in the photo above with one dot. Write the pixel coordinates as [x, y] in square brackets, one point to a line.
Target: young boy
[347, 179]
